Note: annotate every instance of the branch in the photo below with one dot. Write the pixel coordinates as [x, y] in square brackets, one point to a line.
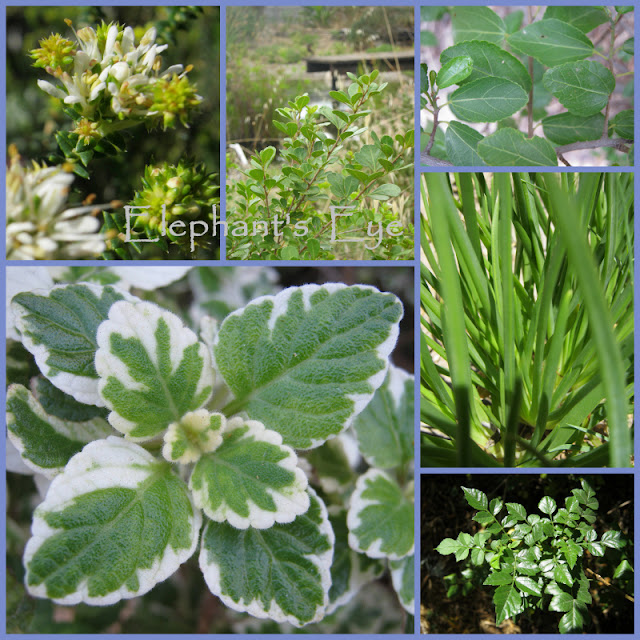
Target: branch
[429, 161]
[621, 144]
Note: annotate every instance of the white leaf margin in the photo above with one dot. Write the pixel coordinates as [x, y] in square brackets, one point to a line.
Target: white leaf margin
[139, 320]
[398, 568]
[322, 561]
[280, 303]
[100, 465]
[87, 431]
[290, 503]
[357, 505]
[82, 388]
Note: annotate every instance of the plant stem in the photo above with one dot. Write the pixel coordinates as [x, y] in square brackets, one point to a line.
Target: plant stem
[622, 144]
[530, 103]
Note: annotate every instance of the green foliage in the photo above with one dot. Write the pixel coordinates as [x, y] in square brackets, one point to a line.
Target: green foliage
[151, 433]
[519, 67]
[527, 342]
[285, 212]
[536, 562]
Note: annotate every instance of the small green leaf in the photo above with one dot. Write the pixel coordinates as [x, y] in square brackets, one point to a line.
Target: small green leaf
[584, 18]
[551, 42]
[508, 603]
[528, 585]
[561, 601]
[573, 620]
[516, 510]
[622, 124]
[385, 428]
[368, 156]
[629, 46]
[306, 361]
[380, 517]
[289, 253]
[566, 128]
[59, 328]
[282, 573]
[547, 505]
[476, 498]
[385, 191]
[267, 155]
[114, 524]
[508, 147]
[454, 71]
[477, 23]
[424, 78]
[449, 546]
[402, 575]
[622, 568]
[251, 479]
[341, 186]
[45, 442]
[499, 578]
[461, 142]
[197, 432]
[489, 60]
[582, 87]
[153, 370]
[340, 96]
[562, 574]
[331, 466]
[487, 100]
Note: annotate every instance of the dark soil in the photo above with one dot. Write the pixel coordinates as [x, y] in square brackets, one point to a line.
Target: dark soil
[445, 513]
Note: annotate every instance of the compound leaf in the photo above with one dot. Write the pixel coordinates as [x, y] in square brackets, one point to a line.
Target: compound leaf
[385, 428]
[476, 498]
[45, 442]
[583, 87]
[282, 573]
[153, 370]
[306, 361]
[487, 100]
[551, 42]
[477, 23]
[59, 328]
[114, 524]
[380, 517]
[508, 147]
[251, 479]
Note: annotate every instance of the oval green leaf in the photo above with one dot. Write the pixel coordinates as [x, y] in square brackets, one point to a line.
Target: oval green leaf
[508, 147]
[454, 71]
[584, 18]
[489, 60]
[622, 124]
[551, 42]
[582, 87]
[461, 142]
[487, 100]
[477, 23]
[566, 128]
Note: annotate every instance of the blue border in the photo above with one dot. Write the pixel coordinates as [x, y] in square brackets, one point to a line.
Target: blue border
[223, 4]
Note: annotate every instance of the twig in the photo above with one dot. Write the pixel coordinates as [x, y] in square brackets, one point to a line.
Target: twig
[429, 161]
[621, 144]
[607, 583]
[563, 160]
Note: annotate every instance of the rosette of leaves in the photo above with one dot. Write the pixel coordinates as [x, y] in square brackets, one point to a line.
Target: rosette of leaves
[537, 561]
[318, 171]
[173, 201]
[503, 68]
[107, 83]
[151, 434]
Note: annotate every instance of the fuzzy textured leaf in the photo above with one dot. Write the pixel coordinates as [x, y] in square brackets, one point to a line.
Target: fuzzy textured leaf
[282, 573]
[251, 479]
[59, 328]
[385, 428]
[583, 87]
[153, 370]
[461, 142]
[477, 23]
[306, 361]
[114, 524]
[402, 575]
[380, 517]
[45, 442]
[584, 18]
[622, 124]
[454, 71]
[566, 128]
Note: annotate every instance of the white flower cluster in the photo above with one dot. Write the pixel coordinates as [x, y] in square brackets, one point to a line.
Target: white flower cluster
[39, 226]
[109, 70]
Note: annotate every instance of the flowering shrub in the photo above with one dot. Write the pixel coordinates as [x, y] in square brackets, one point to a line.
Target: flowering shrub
[281, 438]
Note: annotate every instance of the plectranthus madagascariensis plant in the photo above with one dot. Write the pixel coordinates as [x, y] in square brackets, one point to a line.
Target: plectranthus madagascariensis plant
[234, 442]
